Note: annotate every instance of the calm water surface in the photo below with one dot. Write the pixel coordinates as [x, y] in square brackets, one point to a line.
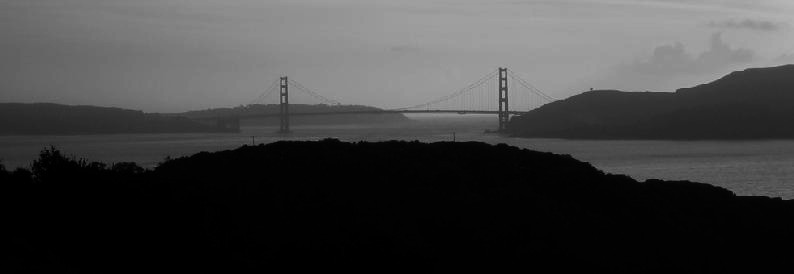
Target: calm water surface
[747, 167]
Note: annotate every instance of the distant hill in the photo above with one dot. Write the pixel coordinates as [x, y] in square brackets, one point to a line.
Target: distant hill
[46, 118]
[751, 104]
[258, 109]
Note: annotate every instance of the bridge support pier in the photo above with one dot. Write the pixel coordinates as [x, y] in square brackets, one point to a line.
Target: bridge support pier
[284, 105]
[504, 106]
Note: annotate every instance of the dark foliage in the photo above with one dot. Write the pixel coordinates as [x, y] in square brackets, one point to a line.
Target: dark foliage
[750, 104]
[377, 207]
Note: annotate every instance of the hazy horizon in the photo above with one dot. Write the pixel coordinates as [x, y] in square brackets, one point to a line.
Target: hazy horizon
[177, 55]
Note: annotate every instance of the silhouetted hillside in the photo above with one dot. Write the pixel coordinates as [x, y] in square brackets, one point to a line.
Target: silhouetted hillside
[378, 207]
[335, 119]
[750, 104]
[42, 118]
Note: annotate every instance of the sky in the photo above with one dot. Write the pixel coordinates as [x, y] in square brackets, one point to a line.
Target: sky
[177, 55]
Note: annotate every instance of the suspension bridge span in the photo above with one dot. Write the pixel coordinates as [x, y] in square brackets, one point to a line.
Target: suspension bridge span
[476, 98]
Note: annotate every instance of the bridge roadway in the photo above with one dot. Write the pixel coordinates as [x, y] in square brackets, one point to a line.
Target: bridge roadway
[291, 114]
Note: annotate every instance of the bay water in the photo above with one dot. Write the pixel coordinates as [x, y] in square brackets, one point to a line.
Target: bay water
[745, 167]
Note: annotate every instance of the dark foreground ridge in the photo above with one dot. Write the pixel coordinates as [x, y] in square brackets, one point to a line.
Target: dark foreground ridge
[751, 104]
[378, 207]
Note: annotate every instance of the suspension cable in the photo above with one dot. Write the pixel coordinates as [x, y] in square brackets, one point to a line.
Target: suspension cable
[468, 88]
[266, 93]
[530, 87]
[314, 94]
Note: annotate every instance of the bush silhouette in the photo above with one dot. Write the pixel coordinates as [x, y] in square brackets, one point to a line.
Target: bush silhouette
[389, 206]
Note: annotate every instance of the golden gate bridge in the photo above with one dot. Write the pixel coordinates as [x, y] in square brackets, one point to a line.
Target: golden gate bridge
[476, 98]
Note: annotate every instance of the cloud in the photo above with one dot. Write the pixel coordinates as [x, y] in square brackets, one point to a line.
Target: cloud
[742, 5]
[671, 60]
[405, 49]
[785, 59]
[670, 67]
[748, 24]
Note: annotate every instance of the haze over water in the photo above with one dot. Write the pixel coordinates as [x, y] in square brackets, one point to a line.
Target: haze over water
[745, 167]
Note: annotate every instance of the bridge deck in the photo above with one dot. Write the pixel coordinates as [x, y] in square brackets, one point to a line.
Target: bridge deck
[268, 115]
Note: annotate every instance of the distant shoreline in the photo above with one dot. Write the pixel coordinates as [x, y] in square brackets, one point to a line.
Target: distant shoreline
[19, 119]
[273, 109]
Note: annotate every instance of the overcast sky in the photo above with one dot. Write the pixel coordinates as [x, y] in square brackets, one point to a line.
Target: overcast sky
[175, 55]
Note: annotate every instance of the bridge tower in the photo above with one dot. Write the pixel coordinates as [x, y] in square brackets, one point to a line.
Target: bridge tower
[504, 109]
[284, 105]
